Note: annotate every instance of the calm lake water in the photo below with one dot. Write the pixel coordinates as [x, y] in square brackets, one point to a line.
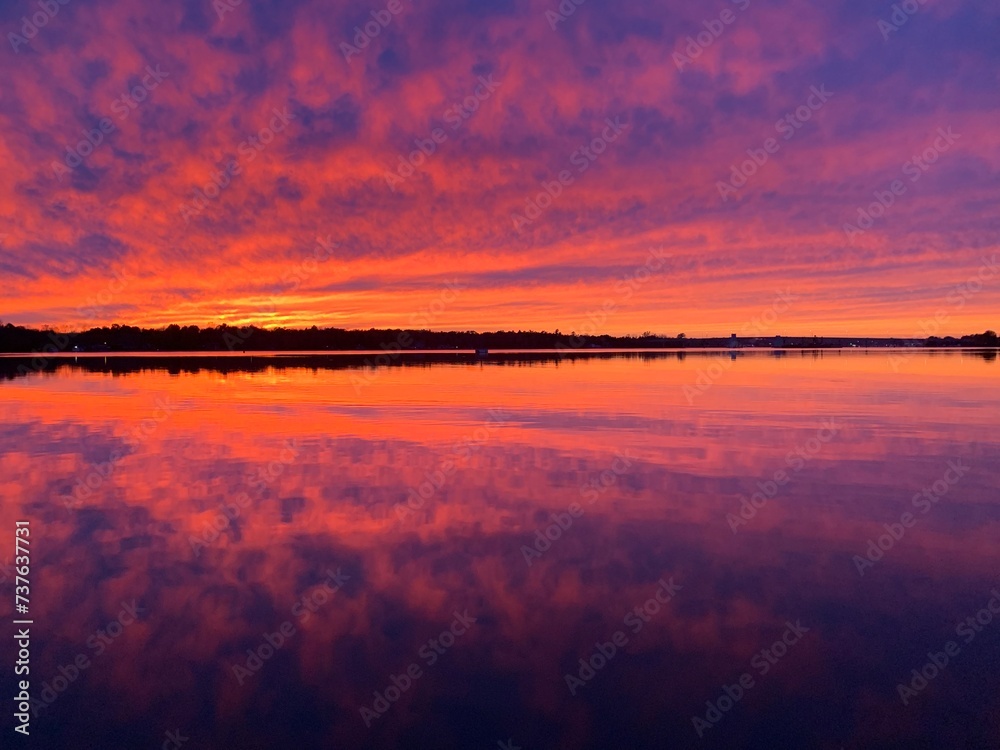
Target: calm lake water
[653, 551]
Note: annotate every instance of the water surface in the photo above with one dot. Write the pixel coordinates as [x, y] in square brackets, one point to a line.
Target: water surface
[462, 532]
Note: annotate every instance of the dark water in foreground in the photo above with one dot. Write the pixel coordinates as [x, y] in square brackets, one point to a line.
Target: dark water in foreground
[420, 557]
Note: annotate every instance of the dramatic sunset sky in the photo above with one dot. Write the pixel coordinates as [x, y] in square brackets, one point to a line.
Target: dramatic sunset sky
[125, 237]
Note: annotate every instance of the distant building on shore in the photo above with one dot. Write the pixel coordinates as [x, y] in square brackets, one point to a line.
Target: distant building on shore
[732, 341]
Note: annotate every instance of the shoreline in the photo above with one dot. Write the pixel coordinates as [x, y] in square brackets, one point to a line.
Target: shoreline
[181, 354]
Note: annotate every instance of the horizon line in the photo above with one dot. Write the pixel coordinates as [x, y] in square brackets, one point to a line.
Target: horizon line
[680, 336]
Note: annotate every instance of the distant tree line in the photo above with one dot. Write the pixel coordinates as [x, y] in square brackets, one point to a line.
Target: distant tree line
[987, 339]
[224, 338]
[174, 338]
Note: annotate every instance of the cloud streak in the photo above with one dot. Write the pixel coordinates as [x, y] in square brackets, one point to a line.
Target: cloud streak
[349, 120]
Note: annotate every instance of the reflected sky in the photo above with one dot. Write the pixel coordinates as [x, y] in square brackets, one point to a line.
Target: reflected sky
[544, 498]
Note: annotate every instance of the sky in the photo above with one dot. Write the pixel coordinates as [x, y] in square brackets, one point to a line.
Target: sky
[764, 168]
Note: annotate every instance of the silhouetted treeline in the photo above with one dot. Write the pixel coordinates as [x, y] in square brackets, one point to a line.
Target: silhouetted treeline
[228, 338]
[985, 339]
[118, 338]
